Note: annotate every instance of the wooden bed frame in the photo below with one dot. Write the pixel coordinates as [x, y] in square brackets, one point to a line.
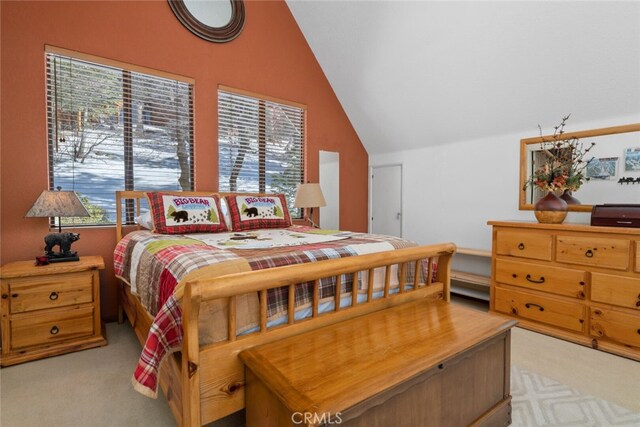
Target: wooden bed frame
[204, 383]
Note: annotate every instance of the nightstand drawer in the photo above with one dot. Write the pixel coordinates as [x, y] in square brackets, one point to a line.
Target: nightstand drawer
[524, 244]
[607, 323]
[615, 290]
[541, 309]
[561, 281]
[27, 331]
[596, 251]
[41, 292]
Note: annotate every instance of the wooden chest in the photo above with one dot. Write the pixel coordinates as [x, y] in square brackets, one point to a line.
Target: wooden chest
[572, 281]
[420, 363]
[50, 310]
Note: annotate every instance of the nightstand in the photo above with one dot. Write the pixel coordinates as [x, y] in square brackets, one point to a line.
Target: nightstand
[50, 310]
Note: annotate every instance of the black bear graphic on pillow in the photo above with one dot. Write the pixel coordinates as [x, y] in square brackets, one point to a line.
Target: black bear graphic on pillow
[251, 212]
[180, 215]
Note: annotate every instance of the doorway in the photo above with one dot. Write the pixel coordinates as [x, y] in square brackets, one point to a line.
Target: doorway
[386, 200]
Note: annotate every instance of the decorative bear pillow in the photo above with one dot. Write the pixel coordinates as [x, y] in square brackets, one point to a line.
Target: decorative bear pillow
[176, 214]
[255, 212]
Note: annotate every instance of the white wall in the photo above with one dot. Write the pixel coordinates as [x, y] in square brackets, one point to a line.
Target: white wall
[452, 190]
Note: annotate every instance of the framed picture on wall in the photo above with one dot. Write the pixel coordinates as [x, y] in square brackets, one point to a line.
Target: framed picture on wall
[602, 168]
[632, 159]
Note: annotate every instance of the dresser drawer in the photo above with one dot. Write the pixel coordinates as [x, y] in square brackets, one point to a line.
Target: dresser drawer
[616, 290]
[638, 256]
[27, 331]
[614, 325]
[524, 244]
[541, 309]
[596, 251]
[40, 292]
[561, 281]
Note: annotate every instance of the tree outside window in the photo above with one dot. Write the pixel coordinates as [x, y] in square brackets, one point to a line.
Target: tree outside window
[115, 129]
[260, 146]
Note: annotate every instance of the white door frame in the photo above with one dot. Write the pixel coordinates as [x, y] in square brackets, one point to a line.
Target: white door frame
[371, 168]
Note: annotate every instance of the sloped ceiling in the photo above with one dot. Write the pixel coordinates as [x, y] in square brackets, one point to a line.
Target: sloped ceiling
[411, 74]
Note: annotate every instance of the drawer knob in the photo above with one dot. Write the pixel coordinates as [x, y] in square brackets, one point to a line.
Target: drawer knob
[521, 246]
[533, 280]
[638, 331]
[530, 304]
[589, 253]
[5, 296]
[53, 296]
[54, 330]
[14, 295]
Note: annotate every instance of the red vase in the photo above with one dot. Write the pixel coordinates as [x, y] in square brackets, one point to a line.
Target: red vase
[551, 209]
[569, 199]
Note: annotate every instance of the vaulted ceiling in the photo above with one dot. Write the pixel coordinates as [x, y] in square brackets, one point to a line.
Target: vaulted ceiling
[411, 74]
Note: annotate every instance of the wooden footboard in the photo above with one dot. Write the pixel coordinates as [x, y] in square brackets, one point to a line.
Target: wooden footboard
[204, 383]
[213, 376]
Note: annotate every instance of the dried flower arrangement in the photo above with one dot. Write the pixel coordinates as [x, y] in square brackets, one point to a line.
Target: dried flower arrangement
[563, 164]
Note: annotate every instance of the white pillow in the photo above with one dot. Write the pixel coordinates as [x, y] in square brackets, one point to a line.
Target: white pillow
[145, 220]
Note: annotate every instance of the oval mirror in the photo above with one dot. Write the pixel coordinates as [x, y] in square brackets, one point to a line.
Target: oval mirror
[212, 20]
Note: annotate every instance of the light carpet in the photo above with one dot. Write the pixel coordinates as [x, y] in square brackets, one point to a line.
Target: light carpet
[92, 387]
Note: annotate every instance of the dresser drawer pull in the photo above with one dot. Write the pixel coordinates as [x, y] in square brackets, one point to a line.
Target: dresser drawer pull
[530, 304]
[589, 253]
[53, 296]
[54, 330]
[521, 246]
[638, 331]
[535, 281]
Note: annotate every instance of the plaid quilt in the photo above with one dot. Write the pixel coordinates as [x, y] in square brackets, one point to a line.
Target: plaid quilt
[154, 264]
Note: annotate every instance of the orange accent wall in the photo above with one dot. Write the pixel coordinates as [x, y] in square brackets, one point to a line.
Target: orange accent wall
[271, 57]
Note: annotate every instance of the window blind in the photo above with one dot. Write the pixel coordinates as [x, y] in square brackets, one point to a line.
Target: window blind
[112, 129]
[260, 146]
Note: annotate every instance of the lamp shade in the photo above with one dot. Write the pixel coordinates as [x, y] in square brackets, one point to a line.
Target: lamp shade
[309, 196]
[57, 203]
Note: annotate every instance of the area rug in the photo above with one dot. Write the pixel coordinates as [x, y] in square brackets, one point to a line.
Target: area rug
[541, 401]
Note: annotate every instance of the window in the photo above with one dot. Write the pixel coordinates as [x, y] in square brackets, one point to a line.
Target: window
[113, 128]
[260, 145]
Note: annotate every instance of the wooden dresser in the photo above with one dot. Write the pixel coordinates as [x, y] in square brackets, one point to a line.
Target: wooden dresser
[571, 281]
[50, 310]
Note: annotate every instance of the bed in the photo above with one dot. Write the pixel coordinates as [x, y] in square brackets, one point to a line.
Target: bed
[201, 374]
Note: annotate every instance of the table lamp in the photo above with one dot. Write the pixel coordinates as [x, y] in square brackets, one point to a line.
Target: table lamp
[58, 204]
[310, 196]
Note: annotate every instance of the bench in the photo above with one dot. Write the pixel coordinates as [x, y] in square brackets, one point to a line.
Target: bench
[474, 285]
[419, 363]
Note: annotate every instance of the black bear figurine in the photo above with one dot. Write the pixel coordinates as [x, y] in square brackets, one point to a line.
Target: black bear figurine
[64, 240]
